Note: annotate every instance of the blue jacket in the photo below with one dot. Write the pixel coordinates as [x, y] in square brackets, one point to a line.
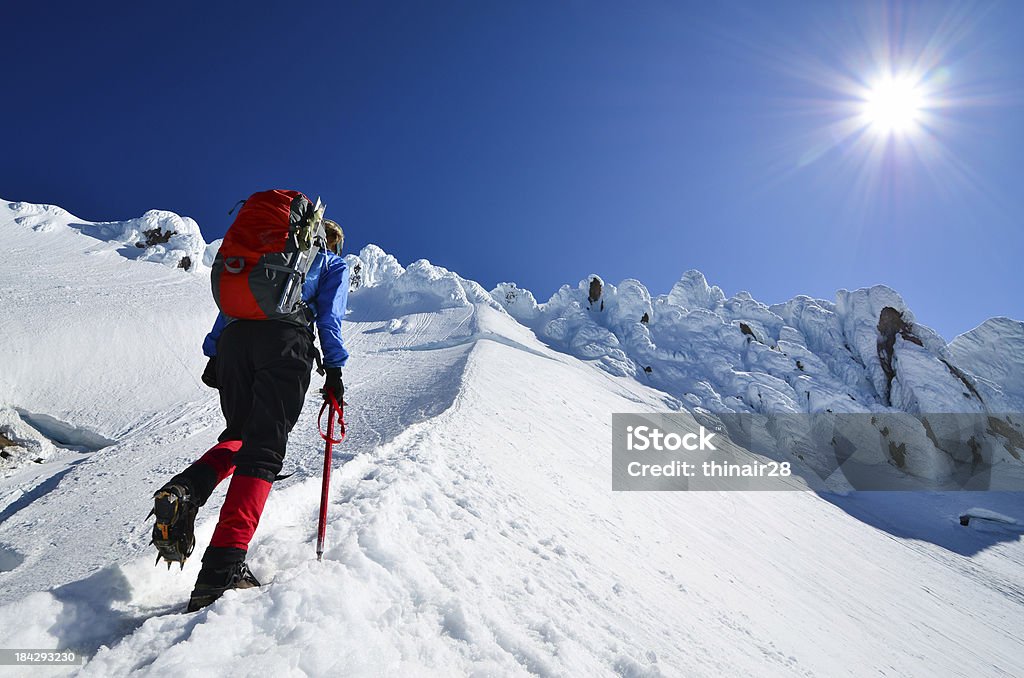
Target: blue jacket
[326, 293]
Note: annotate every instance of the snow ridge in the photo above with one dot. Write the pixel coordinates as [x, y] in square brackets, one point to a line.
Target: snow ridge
[739, 355]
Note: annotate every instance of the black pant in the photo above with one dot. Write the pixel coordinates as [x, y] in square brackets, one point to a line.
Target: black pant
[263, 371]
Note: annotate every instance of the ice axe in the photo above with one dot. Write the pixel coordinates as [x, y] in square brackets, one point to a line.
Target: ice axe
[330, 402]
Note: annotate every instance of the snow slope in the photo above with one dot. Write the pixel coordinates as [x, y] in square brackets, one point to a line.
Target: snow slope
[994, 353]
[472, 527]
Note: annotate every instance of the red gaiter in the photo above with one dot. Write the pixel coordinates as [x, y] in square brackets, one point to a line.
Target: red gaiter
[220, 458]
[241, 512]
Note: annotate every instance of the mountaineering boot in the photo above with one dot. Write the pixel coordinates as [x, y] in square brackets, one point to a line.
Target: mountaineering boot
[213, 582]
[174, 532]
[224, 561]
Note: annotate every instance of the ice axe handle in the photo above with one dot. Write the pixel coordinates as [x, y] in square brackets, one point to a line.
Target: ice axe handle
[329, 442]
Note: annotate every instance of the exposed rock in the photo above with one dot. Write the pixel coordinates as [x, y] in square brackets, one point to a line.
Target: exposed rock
[1014, 439]
[155, 236]
[898, 453]
[890, 325]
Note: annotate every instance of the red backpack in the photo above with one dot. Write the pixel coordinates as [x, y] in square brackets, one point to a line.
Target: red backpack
[265, 256]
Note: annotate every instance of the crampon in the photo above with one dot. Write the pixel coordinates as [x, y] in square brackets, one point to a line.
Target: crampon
[173, 533]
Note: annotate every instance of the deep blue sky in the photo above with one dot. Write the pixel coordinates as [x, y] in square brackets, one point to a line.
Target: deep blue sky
[541, 141]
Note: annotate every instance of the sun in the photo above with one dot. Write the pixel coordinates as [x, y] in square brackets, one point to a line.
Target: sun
[882, 104]
[893, 105]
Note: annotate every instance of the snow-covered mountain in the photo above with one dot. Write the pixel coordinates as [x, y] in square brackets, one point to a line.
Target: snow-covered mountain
[863, 352]
[473, 530]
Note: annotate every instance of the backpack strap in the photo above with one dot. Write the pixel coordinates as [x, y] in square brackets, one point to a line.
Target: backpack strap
[319, 362]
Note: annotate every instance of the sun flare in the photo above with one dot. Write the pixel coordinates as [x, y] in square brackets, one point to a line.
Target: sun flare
[893, 105]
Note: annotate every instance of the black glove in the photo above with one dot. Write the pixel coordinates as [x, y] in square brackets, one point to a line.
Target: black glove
[333, 384]
[210, 373]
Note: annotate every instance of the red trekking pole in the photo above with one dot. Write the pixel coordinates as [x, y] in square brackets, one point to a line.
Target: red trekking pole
[330, 442]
